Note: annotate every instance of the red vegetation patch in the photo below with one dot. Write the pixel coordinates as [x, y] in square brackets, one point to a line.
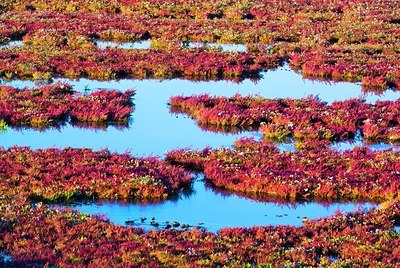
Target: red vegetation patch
[63, 175]
[315, 173]
[54, 60]
[302, 119]
[65, 238]
[352, 40]
[49, 105]
[376, 66]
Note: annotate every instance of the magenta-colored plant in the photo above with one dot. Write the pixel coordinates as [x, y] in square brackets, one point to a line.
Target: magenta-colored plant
[304, 119]
[49, 105]
[57, 175]
[312, 173]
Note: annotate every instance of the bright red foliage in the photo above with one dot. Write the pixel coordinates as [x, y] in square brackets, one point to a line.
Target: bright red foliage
[315, 173]
[354, 40]
[66, 174]
[53, 104]
[303, 119]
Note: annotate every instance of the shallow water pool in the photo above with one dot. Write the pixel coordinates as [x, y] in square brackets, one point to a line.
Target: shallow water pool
[212, 210]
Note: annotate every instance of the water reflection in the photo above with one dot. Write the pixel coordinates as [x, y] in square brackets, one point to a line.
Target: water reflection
[279, 83]
[5, 259]
[212, 210]
[349, 145]
[343, 145]
[154, 130]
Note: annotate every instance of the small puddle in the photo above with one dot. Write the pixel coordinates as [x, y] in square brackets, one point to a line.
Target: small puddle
[358, 141]
[124, 45]
[349, 145]
[12, 44]
[212, 210]
[223, 47]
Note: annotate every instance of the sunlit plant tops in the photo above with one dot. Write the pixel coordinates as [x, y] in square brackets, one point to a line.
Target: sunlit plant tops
[68, 174]
[354, 40]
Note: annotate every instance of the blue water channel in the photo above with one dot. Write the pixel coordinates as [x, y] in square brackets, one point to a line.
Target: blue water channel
[153, 130]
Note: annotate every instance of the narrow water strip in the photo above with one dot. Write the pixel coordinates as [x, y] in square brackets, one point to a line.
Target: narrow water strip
[146, 44]
[125, 45]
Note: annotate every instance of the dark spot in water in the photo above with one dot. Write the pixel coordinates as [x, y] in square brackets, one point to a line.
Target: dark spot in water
[130, 222]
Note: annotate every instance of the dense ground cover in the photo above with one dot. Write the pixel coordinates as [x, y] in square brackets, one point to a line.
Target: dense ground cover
[55, 104]
[313, 173]
[300, 118]
[67, 174]
[69, 238]
[353, 40]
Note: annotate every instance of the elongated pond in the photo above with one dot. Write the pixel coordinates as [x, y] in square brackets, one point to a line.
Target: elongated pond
[212, 210]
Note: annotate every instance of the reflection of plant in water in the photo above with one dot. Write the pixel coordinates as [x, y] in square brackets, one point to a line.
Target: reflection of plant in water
[86, 90]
